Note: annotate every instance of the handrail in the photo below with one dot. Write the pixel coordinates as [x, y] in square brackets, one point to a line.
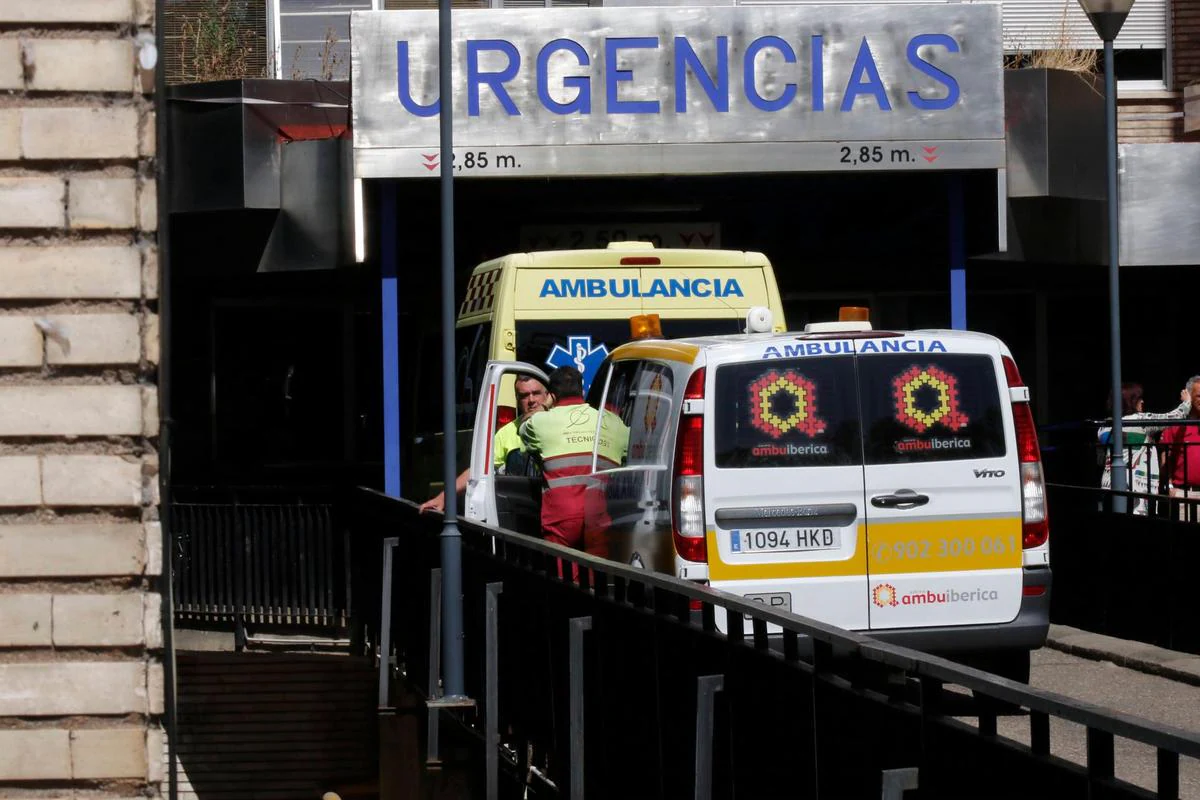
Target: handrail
[1162, 736]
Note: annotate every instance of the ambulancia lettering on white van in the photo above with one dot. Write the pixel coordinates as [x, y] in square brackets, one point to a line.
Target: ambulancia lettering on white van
[869, 346]
[901, 346]
[632, 287]
[808, 349]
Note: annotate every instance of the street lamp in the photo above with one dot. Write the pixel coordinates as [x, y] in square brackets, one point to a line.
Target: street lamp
[1107, 17]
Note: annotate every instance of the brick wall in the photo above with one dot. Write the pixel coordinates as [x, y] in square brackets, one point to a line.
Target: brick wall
[81, 681]
[1185, 42]
[1145, 120]
[1185, 53]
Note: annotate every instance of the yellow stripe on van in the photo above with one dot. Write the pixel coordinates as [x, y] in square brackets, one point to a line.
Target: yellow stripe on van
[954, 545]
[719, 570]
[664, 351]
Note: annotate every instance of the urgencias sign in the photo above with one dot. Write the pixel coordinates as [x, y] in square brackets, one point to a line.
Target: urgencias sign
[658, 77]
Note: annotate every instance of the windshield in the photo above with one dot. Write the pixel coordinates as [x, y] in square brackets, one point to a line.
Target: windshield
[585, 343]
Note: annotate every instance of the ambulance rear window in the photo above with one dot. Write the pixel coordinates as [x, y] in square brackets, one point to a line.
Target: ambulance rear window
[921, 408]
[787, 413]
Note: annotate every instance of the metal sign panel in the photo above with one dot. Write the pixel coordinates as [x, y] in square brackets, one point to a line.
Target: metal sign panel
[1159, 196]
[608, 91]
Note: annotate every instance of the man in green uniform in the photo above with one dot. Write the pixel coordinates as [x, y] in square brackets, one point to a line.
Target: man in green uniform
[562, 439]
[531, 398]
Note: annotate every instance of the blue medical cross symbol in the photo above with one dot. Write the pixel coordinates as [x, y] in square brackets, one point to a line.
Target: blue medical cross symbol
[579, 354]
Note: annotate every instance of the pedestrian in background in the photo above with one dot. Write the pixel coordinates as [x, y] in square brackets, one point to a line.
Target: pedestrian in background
[1141, 456]
[1183, 454]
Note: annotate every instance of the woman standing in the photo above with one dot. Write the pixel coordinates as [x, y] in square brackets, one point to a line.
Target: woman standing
[1141, 455]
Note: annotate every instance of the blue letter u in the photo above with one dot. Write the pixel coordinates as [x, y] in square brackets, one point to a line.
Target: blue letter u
[405, 90]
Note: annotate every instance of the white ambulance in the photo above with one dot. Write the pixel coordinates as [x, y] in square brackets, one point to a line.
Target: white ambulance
[886, 482]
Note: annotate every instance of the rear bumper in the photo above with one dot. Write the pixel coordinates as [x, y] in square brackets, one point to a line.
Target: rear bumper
[1026, 632]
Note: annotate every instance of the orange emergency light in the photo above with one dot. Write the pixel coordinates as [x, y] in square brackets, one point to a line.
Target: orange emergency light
[854, 314]
[645, 326]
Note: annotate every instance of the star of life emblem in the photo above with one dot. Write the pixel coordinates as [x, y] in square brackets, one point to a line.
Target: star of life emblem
[579, 354]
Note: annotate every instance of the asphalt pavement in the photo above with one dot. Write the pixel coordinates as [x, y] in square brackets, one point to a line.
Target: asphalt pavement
[1141, 680]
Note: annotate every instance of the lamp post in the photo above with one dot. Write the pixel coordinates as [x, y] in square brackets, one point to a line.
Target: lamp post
[1107, 17]
[451, 539]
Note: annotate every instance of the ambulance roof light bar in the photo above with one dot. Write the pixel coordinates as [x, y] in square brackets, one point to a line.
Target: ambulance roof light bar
[645, 326]
[850, 318]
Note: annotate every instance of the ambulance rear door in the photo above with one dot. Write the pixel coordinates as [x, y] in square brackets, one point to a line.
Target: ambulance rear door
[942, 481]
[507, 501]
[783, 478]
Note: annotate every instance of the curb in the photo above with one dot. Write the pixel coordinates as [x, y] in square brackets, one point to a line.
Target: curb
[1182, 667]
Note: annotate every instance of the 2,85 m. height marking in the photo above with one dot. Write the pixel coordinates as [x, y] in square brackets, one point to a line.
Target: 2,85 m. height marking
[867, 155]
[473, 161]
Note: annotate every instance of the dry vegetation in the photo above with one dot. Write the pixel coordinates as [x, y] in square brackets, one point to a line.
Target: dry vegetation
[331, 60]
[1063, 55]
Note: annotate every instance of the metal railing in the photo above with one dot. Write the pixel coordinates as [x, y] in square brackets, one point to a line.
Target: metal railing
[1124, 575]
[268, 563]
[1072, 455]
[620, 679]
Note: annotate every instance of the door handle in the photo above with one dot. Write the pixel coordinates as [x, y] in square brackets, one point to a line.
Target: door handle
[904, 498]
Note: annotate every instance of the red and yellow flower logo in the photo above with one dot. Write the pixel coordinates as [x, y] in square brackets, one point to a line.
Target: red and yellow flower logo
[781, 403]
[884, 595]
[944, 412]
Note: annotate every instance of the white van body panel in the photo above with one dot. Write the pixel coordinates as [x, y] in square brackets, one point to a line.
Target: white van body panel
[828, 581]
[927, 562]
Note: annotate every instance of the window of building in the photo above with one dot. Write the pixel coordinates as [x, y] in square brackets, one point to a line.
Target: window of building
[313, 39]
[1032, 25]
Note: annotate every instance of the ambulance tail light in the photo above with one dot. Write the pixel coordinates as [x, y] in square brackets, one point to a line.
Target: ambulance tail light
[1036, 524]
[695, 386]
[505, 415]
[688, 507]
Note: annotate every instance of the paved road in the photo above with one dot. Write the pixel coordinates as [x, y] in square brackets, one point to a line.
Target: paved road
[1105, 684]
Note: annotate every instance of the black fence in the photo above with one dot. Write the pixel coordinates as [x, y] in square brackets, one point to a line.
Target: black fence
[1159, 473]
[620, 684]
[259, 562]
[1124, 575]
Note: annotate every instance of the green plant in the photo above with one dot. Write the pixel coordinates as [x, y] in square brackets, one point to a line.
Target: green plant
[217, 43]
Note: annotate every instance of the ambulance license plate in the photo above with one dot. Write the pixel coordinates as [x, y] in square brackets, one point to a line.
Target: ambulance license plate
[780, 601]
[785, 540]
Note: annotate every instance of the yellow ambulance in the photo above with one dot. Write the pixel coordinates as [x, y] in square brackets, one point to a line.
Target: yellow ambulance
[572, 307]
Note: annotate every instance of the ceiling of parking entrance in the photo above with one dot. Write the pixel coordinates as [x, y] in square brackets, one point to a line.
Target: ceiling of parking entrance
[642, 91]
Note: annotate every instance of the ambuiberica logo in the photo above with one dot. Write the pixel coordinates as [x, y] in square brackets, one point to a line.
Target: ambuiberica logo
[885, 595]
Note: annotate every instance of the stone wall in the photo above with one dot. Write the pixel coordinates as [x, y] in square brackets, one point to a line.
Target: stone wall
[81, 680]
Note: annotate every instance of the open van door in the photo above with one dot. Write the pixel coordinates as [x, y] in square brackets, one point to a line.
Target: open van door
[506, 501]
